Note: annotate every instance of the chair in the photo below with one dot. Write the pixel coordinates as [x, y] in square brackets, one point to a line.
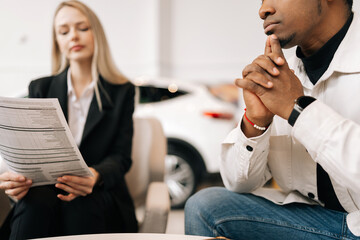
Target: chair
[5, 206]
[146, 176]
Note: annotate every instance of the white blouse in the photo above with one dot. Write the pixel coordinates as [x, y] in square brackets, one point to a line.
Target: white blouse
[78, 108]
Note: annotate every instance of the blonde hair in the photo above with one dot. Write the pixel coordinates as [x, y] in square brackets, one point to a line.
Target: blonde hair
[102, 62]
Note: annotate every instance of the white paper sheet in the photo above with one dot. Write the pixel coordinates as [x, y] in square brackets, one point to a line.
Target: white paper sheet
[36, 141]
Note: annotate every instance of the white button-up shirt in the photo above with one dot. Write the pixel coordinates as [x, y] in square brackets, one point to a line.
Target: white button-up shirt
[327, 132]
[78, 108]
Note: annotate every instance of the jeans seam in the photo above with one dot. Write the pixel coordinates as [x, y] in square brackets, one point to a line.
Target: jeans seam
[211, 229]
[345, 229]
[278, 223]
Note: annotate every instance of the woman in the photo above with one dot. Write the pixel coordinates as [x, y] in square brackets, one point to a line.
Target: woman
[98, 103]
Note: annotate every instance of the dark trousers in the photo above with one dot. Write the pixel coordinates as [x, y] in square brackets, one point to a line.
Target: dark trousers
[41, 214]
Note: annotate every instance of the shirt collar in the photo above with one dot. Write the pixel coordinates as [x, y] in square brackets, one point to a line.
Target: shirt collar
[325, 54]
[316, 64]
[71, 91]
[346, 58]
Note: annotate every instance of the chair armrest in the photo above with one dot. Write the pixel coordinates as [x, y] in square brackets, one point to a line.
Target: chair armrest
[157, 208]
[5, 206]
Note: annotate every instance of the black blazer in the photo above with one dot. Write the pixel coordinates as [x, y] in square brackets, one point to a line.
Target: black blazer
[107, 138]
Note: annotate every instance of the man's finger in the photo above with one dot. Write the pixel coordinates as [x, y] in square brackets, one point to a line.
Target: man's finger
[250, 85]
[267, 46]
[260, 79]
[276, 50]
[262, 64]
[266, 66]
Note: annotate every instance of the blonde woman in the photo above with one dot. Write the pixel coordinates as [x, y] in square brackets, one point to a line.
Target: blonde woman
[98, 103]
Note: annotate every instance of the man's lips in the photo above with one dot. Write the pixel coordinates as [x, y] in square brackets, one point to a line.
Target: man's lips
[269, 26]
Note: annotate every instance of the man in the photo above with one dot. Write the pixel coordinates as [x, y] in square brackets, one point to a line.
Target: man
[301, 127]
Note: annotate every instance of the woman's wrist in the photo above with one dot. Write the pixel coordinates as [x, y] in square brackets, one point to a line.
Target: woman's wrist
[97, 176]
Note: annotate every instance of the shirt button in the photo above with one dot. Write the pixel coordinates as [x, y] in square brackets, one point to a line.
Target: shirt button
[249, 148]
[311, 195]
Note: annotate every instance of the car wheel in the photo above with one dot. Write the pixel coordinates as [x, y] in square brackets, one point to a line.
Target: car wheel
[180, 175]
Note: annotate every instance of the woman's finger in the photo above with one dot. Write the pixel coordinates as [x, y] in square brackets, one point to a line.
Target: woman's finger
[71, 180]
[70, 189]
[12, 185]
[14, 192]
[21, 195]
[68, 197]
[11, 176]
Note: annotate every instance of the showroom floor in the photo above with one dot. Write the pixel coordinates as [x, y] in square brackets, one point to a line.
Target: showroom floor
[176, 222]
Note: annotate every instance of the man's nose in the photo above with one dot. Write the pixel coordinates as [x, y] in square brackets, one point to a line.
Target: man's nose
[266, 9]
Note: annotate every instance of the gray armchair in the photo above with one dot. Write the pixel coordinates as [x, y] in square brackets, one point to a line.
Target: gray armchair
[4, 206]
[146, 176]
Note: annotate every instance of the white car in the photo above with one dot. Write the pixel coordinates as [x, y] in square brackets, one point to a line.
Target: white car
[195, 120]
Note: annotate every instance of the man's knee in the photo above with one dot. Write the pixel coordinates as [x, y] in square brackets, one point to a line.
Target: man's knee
[203, 200]
[198, 211]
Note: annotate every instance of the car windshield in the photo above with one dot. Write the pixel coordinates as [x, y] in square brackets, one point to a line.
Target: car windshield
[150, 94]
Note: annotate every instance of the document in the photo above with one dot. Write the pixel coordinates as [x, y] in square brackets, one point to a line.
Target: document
[36, 142]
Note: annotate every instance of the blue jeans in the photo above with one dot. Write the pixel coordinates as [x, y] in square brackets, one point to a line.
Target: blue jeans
[217, 211]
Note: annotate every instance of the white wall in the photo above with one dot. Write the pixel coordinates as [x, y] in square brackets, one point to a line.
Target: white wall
[25, 43]
[206, 40]
[213, 39]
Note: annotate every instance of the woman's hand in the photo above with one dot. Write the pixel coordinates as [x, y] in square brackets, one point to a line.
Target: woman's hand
[76, 186]
[15, 185]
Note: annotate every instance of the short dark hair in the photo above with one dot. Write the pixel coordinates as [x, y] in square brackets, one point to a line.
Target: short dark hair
[349, 3]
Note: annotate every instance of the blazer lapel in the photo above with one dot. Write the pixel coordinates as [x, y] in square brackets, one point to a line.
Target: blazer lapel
[58, 89]
[94, 115]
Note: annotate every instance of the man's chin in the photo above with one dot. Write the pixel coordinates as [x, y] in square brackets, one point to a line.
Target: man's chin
[288, 46]
[287, 42]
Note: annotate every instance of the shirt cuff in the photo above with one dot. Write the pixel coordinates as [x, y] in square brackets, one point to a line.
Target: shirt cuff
[237, 135]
